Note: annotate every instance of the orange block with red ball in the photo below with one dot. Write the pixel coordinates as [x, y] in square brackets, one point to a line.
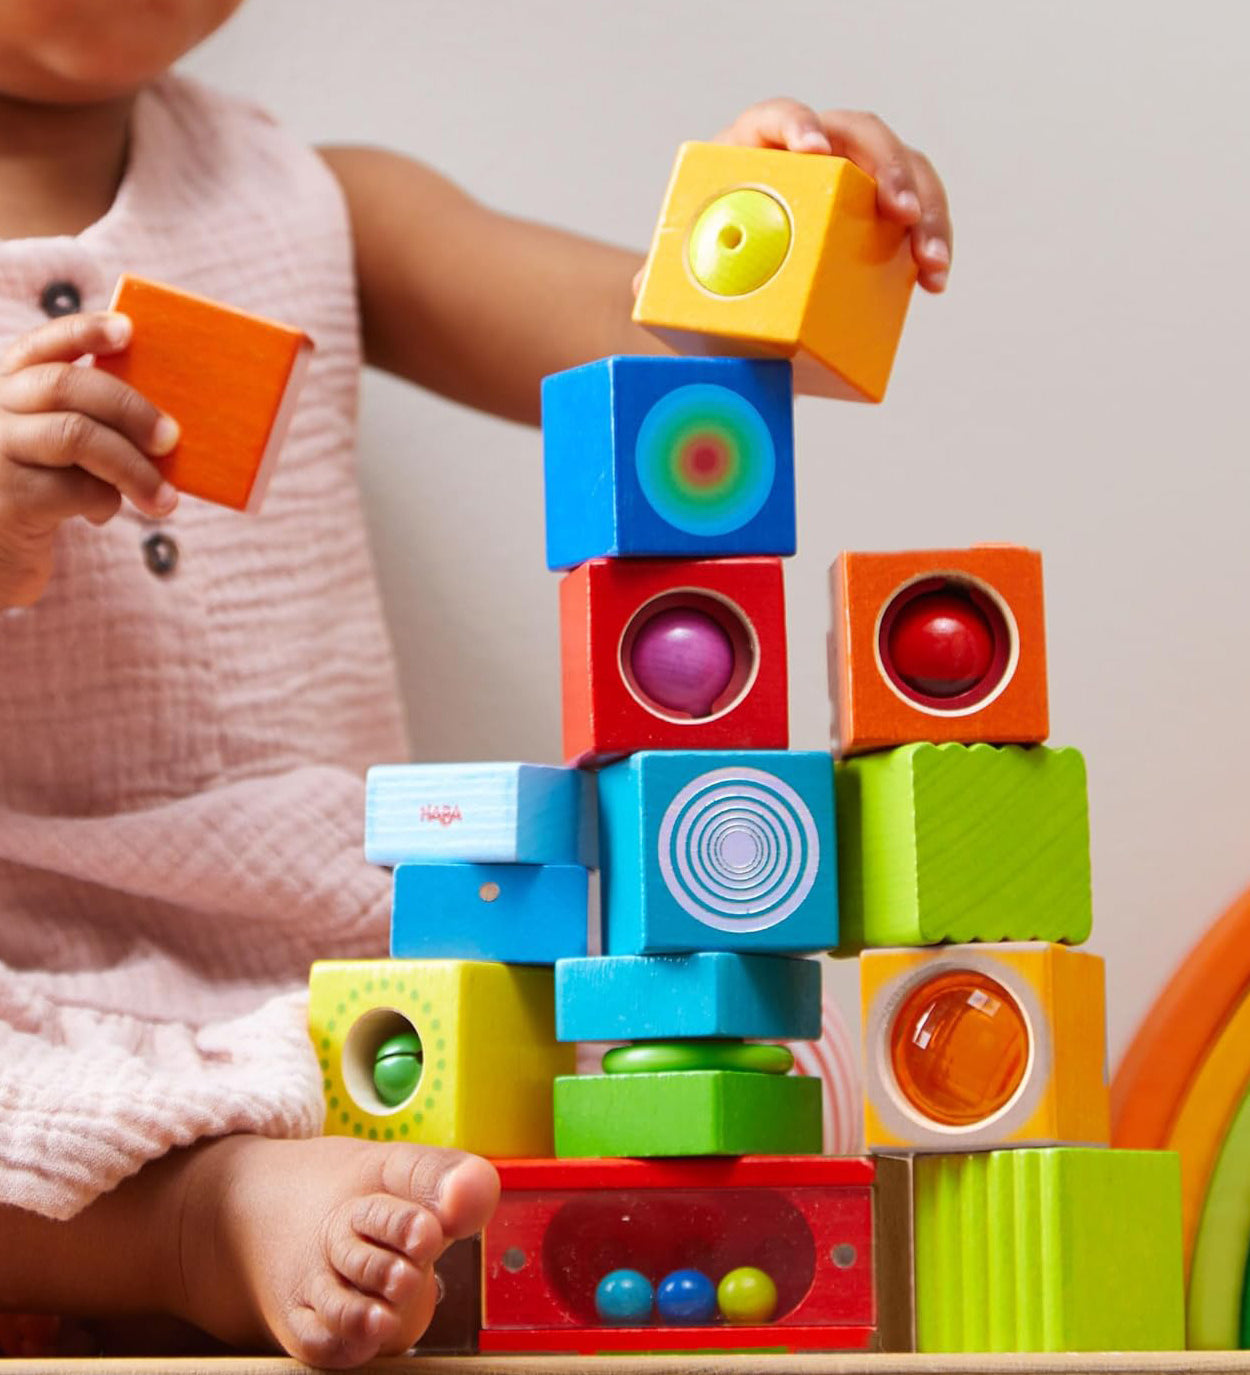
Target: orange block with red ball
[673, 654]
[938, 645]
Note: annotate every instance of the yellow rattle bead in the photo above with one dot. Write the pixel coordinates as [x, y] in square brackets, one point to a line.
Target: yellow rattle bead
[746, 1295]
[738, 242]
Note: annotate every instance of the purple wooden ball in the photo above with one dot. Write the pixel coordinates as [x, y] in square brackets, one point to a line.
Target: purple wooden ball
[683, 660]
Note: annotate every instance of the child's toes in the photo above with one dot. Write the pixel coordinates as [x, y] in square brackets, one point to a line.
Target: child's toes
[460, 1190]
[373, 1269]
[399, 1224]
[363, 1323]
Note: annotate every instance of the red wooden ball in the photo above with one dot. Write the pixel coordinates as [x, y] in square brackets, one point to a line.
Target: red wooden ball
[941, 644]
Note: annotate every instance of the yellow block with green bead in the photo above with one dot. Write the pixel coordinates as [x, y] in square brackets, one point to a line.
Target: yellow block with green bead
[442, 1052]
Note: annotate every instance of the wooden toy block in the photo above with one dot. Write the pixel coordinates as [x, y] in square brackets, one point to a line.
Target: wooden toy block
[718, 850]
[963, 843]
[481, 1067]
[672, 654]
[763, 252]
[562, 1227]
[972, 1047]
[673, 997]
[1218, 1266]
[894, 1253]
[513, 913]
[693, 1112]
[942, 644]
[458, 1311]
[679, 457]
[229, 379]
[1049, 1250]
[1164, 1056]
[479, 814]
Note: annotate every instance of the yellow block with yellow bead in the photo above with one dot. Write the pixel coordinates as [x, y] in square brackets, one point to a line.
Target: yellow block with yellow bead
[442, 1052]
[766, 253]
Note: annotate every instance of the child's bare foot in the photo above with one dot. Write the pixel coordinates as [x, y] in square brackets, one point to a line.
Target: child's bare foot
[323, 1247]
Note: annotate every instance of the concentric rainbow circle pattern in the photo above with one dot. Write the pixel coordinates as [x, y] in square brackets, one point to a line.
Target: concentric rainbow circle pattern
[738, 849]
[705, 459]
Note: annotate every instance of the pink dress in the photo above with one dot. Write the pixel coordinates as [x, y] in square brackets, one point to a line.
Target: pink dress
[186, 716]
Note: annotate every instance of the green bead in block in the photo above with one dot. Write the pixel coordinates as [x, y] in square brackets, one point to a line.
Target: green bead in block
[739, 242]
[397, 1068]
[696, 1112]
[961, 843]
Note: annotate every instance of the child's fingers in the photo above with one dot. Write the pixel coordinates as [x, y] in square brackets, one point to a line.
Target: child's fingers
[63, 439]
[64, 387]
[69, 337]
[932, 237]
[870, 143]
[37, 500]
[778, 123]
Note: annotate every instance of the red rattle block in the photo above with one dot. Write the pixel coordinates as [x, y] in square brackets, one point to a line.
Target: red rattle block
[814, 1245]
[673, 654]
[229, 379]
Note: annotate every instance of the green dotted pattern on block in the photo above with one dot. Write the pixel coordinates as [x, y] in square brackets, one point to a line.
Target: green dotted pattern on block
[1061, 1249]
[696, 1112]
[963, 843]
[343, 1116]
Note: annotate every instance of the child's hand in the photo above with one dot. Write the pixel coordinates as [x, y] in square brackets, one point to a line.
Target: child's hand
[908, 189]
[73, 442]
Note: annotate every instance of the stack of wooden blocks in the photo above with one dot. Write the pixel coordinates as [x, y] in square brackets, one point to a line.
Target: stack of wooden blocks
[678, 1199]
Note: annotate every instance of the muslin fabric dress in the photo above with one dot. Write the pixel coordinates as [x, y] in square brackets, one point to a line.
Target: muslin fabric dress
[182, 748]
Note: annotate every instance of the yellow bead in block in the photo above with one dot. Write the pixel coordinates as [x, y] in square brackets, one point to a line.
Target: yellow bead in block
[972, 1047]
[765, 253]
[487, 1060]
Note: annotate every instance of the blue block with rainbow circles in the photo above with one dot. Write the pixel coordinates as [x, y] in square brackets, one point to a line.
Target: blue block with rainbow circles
[669, 457]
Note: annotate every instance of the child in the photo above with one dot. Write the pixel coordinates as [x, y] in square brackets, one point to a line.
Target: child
[190, 698]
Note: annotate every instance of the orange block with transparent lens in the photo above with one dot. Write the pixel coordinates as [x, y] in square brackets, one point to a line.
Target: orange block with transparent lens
[978, 1046]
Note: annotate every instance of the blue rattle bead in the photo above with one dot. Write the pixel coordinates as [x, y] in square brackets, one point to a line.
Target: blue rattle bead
[686, 1297]
[623, 1298]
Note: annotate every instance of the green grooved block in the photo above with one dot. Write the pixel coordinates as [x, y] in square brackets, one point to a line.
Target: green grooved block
[696, 1112]
[1063, 1249]
[963, 843]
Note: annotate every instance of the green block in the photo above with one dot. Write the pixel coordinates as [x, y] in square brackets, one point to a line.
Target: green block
[963, 843]
[1063, 1249]
[691, 1112]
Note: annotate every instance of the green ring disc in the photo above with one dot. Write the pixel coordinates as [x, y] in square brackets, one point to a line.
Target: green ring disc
[659, 1057]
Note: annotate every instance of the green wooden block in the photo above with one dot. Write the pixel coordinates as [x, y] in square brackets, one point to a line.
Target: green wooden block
[691, 1112]
[963, 843]
[1063, 1249]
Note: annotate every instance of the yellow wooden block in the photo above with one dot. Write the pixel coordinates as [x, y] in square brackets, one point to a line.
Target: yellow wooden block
[973, 1047]
[766, 253]
[488, 1053]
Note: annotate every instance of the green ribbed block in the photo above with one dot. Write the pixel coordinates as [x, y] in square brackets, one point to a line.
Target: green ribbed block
[1063, 1249]
[963, 843]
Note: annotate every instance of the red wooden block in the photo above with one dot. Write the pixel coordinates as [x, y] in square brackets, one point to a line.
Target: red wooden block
[615, 675]
[561, 1226]
[938, 645]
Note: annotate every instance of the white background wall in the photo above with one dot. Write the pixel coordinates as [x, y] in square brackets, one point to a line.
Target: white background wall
[1081, 388]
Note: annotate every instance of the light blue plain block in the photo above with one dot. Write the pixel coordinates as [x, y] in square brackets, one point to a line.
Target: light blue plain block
[718, 850]
[513, 913]
[673, 997]
[479, 813]
[670, 457]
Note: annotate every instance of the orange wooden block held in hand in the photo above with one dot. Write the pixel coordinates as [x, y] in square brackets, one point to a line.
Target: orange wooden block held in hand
[938, 645]
[229, 379]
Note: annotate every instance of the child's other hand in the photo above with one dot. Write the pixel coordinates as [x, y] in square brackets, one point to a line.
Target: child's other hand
[73, 442]
[908, 189]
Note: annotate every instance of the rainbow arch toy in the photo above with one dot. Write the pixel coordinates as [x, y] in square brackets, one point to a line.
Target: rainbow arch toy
[1184, 1085]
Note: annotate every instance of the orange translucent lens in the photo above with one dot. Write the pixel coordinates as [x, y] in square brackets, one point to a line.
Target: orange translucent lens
[959, 1047]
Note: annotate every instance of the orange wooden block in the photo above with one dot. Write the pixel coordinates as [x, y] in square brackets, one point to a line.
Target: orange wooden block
[1174, 1038]
[619, 666]
[938, 645]
[229, 379]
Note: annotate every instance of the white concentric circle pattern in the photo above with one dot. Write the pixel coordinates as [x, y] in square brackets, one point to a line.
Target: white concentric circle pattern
[738, 849]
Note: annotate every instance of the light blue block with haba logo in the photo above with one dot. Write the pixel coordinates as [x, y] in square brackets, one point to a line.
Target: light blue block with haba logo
[479, 813]
[718, 850]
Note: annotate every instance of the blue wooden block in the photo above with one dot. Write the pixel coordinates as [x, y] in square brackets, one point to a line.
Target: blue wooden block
[675, 997]
[718, 850]
[513, 913]
[479, 813]
[685, 457]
